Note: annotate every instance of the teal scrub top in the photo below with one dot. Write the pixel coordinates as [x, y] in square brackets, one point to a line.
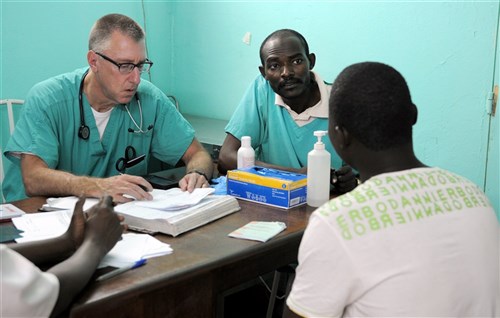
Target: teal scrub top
[276, 137]
[50, 120]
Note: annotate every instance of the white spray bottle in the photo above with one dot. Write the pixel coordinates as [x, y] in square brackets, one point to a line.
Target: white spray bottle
[318, 173]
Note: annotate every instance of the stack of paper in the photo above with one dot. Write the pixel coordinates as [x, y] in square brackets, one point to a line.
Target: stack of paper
[68, 203]
[171, 211]
[168, 200]
[132, 247]
[165, 215]
[175, 199]
[39, 226]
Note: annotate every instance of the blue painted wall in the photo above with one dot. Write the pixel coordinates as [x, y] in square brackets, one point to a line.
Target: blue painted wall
[446, 51]
[42, 39]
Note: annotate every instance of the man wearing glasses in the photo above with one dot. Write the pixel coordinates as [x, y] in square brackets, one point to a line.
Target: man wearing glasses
[92, 131]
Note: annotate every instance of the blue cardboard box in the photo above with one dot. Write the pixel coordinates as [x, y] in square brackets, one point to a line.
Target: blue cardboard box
[274, 187]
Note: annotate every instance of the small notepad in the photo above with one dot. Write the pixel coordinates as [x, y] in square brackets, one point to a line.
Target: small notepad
[9, 211]
[258, 231]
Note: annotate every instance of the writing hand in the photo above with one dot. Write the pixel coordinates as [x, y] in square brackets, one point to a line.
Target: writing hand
[103, 226]
[76, 228]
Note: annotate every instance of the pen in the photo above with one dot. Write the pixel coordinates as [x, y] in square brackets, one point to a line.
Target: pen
[48, 208]
[120, 270]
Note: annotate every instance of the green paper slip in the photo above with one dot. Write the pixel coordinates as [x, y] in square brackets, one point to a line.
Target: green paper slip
[258, 231]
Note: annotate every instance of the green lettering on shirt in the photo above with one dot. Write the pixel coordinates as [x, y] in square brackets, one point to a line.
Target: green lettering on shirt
[354, 215]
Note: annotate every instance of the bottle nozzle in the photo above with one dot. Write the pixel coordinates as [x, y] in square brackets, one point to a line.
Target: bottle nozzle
[319, 134]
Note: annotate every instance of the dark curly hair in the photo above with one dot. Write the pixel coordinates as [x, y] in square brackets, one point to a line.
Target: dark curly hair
[372, 102]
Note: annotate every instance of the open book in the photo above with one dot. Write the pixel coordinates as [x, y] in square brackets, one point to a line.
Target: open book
[174, 222]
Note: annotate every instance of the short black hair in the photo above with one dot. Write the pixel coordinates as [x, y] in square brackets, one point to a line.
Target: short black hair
[283, 33]
[372, 102]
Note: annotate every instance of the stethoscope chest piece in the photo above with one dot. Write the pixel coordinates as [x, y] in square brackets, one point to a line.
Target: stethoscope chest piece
[84, 132]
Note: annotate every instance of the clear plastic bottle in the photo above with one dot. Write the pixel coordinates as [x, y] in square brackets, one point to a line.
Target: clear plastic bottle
[318, 173]
[246, 154]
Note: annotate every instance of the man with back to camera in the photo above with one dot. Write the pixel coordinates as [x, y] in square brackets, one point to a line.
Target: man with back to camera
[92, 131]
[411, 240]
[281, 109]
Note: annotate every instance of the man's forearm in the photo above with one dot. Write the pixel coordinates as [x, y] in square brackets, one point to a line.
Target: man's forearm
[50, 182]
[47, 251]
[84, 262]
[40, 180]
[201, 162]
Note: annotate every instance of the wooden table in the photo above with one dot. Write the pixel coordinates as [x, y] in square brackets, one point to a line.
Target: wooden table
[204, 264]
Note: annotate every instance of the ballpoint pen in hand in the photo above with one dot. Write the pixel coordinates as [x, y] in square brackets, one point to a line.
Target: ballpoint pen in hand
[120, 270]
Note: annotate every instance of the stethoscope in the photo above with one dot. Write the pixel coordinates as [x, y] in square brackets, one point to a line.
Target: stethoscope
[84, 130]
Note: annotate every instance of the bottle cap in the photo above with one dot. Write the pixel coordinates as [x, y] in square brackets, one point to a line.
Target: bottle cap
[246, 141]
[319, 134]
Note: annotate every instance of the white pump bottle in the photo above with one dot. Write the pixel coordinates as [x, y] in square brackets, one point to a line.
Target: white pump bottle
[318, 173]
[246, 154]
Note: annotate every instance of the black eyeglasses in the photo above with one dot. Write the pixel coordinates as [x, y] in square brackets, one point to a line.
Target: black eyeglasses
[127, 68]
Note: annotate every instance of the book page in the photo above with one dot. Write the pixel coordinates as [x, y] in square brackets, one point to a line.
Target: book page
[175, 199]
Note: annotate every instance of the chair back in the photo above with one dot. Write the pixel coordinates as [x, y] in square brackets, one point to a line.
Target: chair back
[10, 114]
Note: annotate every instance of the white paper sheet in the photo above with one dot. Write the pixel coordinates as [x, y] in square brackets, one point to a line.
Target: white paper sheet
[39, 226]
[175, 198]
[166, 200]
[9, 211]
[132, 247]
[68, 203]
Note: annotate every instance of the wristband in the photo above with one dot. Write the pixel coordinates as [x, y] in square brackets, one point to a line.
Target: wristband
[200, 173]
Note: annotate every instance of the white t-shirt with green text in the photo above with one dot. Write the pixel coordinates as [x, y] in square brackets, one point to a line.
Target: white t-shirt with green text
[25, 290]
[420, 243]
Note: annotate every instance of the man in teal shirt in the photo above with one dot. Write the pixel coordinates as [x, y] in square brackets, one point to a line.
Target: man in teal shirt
[281, 110]
[92, 131]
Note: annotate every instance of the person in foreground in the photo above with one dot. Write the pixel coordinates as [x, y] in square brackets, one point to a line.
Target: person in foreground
[411, 240]
[281, 110]
[92, 131]
[29, 292]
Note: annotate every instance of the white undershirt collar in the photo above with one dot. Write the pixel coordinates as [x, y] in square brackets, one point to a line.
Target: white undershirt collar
[320, 110]
[101, 120]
